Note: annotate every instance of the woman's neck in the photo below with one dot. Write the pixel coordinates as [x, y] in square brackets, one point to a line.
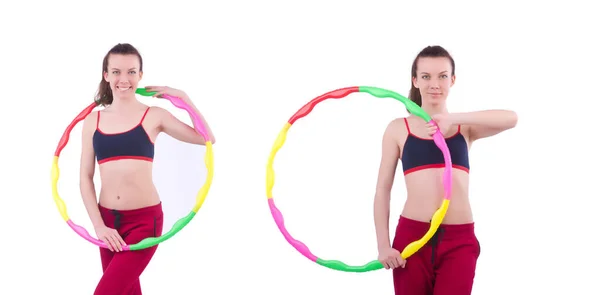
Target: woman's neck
[123, 103]
[435, 109]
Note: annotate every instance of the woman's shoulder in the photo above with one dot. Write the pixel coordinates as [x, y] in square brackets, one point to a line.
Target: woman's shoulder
[399, 120]
[157, 111]
[92, 116]
[396, 127]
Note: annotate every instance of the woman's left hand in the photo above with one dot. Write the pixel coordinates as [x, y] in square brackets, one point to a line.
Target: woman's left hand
[443, 122]
[162, 90]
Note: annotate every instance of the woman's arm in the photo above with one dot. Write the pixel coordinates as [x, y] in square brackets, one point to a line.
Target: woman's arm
[173, 126]
[86, 174]
[387, 170]
[482, 124]
[181, 131]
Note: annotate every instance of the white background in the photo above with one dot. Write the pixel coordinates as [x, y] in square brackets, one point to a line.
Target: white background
[248, 66]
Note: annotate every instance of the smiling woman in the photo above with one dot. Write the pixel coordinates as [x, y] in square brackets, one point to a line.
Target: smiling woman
[121, 139]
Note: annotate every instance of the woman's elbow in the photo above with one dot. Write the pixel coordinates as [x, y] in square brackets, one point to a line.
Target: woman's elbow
[86, 175]
[509, 119]
[514, 119]
[202, 140]
[209, 136]
[382, 197]
[85, 181]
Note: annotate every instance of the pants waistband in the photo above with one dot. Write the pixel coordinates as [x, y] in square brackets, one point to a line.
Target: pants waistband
[447, 228]
[149, 210]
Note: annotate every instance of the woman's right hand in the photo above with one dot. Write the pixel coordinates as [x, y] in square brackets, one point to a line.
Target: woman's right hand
[110, 237]
[390, 258]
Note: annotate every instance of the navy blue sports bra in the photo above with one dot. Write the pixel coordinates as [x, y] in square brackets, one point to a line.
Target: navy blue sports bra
[132, 144]
[422, 153]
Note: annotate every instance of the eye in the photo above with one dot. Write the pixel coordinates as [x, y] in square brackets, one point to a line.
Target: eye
[132, 72]
[115, 72]
[444, 76]
[425, 76]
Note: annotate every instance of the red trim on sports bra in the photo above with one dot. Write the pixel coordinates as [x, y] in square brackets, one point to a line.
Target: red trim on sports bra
[430, 166]
[125, 158]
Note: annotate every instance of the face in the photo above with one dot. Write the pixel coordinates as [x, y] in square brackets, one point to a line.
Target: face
[123, 74]
[434, 78]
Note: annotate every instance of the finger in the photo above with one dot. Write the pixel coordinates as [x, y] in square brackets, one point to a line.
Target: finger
[155, 89]
[402, 262]
[107, 243]
[110, 244]
[389, 263]
[118, 241]
[113, 243]
[121, 241]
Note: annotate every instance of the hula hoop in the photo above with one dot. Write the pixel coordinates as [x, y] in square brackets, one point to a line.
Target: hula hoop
[177, 226]
[437, 218]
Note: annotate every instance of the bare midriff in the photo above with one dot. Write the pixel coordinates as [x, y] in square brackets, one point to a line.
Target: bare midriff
[425, 193]
[127, 184]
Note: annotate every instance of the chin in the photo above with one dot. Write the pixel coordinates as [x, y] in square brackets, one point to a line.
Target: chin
[437, 99]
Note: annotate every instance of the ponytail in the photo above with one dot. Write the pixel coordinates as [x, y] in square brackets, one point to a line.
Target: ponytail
[414, 94]
[104, 95]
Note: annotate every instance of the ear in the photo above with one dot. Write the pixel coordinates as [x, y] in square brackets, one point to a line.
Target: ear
[141, 75]
[414, 81]
[453, 80]
[105, 75]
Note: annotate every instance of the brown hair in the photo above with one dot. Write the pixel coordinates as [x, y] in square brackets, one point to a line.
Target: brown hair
[104, 95]
[429, 51]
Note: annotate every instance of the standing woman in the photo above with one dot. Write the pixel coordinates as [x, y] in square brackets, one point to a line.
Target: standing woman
[446, 265]
[121, 138]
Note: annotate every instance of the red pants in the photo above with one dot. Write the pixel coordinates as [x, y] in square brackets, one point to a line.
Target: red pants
[123, 269]
[444, 266]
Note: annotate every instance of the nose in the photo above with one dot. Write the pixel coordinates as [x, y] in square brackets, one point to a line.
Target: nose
[434, 85]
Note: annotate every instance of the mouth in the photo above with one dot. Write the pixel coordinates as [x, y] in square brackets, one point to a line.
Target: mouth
[123, 88]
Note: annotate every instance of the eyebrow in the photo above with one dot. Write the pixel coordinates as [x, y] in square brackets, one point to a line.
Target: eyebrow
[119, 69]
[440, 72]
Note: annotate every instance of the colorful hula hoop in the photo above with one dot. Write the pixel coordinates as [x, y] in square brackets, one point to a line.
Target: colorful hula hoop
[412, 247]
[181, 223]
